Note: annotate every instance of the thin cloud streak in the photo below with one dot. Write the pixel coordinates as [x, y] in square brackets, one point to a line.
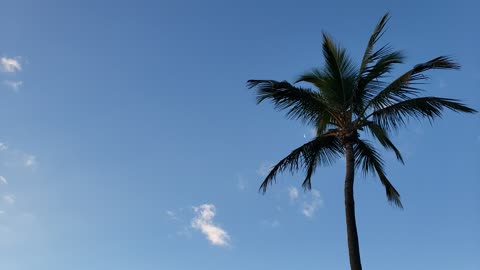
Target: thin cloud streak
[3, 146]
[30, 161]
[241, 183]
[309, 208]
[293, 194]
[264, 168]
[10, 65]
[9, 199]
[14, 85]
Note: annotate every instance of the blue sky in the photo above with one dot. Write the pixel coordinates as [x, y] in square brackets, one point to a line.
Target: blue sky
[129, 139]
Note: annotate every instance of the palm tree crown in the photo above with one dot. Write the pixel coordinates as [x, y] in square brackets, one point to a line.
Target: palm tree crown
[350, 99]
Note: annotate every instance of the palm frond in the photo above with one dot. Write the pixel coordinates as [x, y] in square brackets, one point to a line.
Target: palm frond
[383, 66]
[300, 103]
[396, 115]
[324, 123]
[323, 150]
[368, 56]
[310, 166]
[340, 69]
[316, 77]
[404, 87]
[383, 138]
[370, 81]
[369, 160]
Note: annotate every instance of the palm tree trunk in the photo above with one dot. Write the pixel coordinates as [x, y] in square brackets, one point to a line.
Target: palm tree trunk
[352, 236]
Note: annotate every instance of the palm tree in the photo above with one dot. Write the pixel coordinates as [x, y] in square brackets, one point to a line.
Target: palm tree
[350, 100]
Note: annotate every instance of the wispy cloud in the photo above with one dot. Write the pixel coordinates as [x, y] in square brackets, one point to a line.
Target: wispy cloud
[293, 194]
[171, 214]
[3, 180]
[3, 146]
[30, 161]
[13, 157]
[310, 207]
[9, 199]
[10, 64]
[14, 85]
[264, 168]
[203, 221]
[241, 183]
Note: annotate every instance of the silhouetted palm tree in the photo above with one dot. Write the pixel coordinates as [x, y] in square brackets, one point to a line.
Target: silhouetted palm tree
[346, 101]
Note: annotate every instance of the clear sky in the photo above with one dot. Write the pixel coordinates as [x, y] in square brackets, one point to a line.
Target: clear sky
[129, 139]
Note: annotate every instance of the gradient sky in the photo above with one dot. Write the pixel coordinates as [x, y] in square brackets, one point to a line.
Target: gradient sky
[129, 139]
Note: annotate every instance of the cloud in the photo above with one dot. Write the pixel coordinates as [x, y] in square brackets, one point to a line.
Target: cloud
[3, 180]
[171, 214]
[309, 208]
[293, 193]
[3, 146]
[10, 65]
[204, 222]
[30, 161]
[265, 168]
[9, 199]
[14, 85]
[17, 158]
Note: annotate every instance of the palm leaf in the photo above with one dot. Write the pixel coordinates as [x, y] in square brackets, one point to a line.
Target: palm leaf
[369, 160]
[368, 56]
[300, 103]
[340, 69]
[318, 78]
[382, 66]
[396, 115]
[323, 150]
[383, 138]
[326, 85]
[369, 82]
[404, 87]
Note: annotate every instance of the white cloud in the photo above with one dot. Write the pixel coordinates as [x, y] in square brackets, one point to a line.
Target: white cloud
[30, 161]
[204, 222]
[3, 180]
[293, 193]
[10, 64]
[9, 199]
[265, 168]
[14, 85]
[310, 207]
[3, 146]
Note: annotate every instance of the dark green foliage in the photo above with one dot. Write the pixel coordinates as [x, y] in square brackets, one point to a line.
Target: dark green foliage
[347, 100]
